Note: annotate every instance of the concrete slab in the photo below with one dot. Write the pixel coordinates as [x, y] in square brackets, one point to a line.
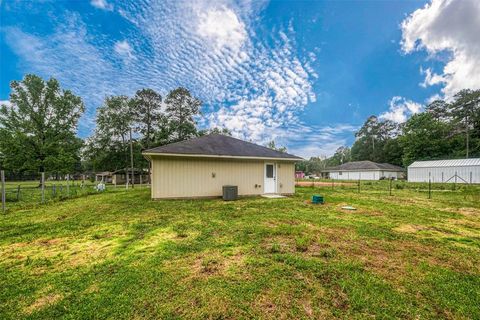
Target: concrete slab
[273, 196]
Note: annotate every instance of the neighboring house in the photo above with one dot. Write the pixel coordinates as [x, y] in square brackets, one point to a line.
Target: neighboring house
[105, 177]
[299, 175]
[201, 166]
[365, 170]
[456, 170]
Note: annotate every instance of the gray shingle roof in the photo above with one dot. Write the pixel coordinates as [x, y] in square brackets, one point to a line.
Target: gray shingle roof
[220, 145]
[365, 165]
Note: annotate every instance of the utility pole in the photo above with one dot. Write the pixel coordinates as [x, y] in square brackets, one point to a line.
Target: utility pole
[131, 159]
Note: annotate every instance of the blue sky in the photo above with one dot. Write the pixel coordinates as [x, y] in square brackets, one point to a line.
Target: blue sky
[305, 73]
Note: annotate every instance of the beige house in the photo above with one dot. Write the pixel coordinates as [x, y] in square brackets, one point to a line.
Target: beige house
[200, 167]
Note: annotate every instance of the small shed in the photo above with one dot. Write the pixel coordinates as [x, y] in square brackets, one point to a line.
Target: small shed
[120, 176]
[105, 177]
[365, 170]
[200, 167]
[446, 171]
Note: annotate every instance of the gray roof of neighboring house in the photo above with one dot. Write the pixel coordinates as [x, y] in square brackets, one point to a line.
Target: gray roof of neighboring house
[446, 163]
[105, 173]
[220, 145]
[364, 165]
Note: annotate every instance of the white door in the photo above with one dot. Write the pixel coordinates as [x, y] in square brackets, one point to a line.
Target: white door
[270, 178]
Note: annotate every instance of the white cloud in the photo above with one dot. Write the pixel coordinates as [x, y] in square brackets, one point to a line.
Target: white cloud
[254, 86]
[431, 78]
[123, 49]
[447, 26]
[308, 141]
[222, 27]
[400, 109]
[102, 4]
[5, 102]
[68, 56]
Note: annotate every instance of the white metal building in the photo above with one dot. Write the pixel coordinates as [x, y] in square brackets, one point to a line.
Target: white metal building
[456, 170]
[365, 170]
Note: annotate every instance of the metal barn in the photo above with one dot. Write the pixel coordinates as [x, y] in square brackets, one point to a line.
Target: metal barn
[448, 171]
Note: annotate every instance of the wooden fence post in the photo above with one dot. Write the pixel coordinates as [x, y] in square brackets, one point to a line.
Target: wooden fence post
[43, 187]
[390, 186]
[4, 198]
[18, 193]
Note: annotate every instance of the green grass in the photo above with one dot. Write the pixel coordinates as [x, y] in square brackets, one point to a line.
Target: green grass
[118, 255]
[28, 194]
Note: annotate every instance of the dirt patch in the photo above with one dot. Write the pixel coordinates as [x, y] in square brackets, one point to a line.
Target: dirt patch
[280, 223]
[43, 302]
[270, 304]
[410, 228]
[49, 242]
[216, 264]
[208, 264]
[322, 184]
[469, 212]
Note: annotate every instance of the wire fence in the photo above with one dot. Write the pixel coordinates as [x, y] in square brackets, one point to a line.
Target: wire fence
[19, 193]
[393, 187]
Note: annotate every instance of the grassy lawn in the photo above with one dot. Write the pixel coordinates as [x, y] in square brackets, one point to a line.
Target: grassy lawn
[119, 255]
[28, 194]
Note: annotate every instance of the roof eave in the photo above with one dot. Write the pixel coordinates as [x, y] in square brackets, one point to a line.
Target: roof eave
[344, 170]
[149, 155]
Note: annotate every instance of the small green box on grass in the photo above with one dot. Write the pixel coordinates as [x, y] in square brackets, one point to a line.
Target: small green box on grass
[317, 199]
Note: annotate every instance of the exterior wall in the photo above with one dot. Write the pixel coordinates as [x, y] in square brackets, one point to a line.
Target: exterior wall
[286, 177]
[471, 174]
[364, 175]
[176, 177]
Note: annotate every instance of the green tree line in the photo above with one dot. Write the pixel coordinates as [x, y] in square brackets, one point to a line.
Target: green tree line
[38, 129]
[444, 130]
